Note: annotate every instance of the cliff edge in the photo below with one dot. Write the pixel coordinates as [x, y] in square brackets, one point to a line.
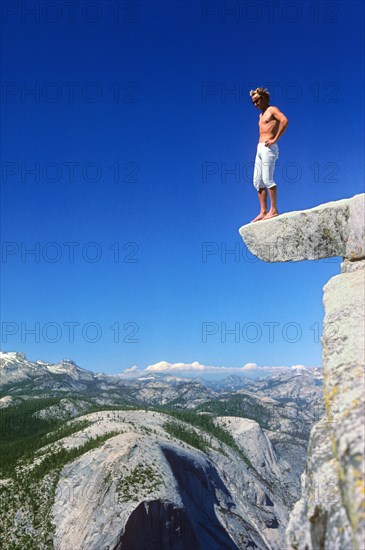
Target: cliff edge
[331, 512]
[331, 229]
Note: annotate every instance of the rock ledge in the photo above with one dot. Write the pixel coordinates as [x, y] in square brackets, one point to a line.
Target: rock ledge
[332, 229]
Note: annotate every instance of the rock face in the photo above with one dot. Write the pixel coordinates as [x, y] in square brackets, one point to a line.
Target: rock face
[319, 519]
[332, 229]
[343, 360]
[143, 489]
[256, 444]
[331, 512]
[124, 479]
[121, 479]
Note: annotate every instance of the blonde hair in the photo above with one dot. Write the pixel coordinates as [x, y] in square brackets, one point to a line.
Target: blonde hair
[262, 92]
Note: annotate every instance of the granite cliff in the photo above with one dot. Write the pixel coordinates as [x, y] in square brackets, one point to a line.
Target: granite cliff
[330, 513]
[142, 480]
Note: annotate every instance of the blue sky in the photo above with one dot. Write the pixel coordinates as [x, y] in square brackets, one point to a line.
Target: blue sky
[137, 112]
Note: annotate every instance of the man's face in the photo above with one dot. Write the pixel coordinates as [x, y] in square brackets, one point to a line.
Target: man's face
[257, 101]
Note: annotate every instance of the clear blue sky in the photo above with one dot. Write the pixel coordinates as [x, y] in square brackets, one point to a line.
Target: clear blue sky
[158, 91]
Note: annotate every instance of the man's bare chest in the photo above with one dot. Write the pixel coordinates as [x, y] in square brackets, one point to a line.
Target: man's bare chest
[266, 120]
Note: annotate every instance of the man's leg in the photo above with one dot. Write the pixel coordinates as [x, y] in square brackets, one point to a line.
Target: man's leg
[262, 194]
[270, 156]
[273, 210]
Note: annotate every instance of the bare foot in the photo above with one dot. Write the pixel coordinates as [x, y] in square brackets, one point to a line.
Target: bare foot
[261, 216]
[271, 215]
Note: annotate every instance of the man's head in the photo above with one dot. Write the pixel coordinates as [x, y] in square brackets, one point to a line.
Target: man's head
[260, 97]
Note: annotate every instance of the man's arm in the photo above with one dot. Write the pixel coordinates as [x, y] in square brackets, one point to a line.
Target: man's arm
[283, 124]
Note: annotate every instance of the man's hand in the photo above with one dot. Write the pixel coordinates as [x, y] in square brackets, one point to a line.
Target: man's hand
[270, 142]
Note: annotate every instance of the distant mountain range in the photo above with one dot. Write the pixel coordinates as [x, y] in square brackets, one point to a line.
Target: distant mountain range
[18, 376]
[287, 401]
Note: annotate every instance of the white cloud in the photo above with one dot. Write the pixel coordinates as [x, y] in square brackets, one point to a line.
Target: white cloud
[249, 366]
[196, 367]
[131, 370]
[299, 367]
[165, 366]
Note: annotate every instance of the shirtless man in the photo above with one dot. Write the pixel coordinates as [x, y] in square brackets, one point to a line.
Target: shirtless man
[272, 123]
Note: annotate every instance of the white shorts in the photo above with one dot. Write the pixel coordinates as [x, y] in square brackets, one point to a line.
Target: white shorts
[263, 177]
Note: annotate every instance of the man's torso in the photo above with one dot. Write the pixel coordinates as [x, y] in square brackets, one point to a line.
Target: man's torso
[268, 125]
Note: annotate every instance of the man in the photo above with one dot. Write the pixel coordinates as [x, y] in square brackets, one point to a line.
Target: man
[272, 123]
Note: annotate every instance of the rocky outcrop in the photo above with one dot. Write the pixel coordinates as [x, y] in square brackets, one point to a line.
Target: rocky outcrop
[330, 514]
[319, 519]
[344, 359]
[332, 229]
[145, 489]
[137, 486]
[256, 445]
